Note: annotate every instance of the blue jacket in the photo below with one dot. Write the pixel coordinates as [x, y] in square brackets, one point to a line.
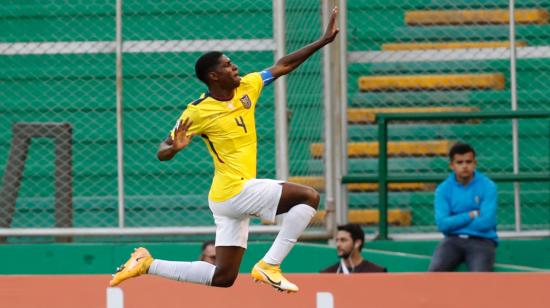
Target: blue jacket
[453, 202]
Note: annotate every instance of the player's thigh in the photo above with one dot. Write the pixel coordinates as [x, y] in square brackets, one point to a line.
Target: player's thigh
[230, 231]
[231, 242]
[293, 194]
[447, 256]
[258, 198]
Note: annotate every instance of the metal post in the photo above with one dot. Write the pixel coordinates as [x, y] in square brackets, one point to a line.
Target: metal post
[22, 134]
[63, 178]
[119, 113]
[337, 115]
[383, 178]
[328, 93]
[281, 117]
[341, 106]
[514, 100]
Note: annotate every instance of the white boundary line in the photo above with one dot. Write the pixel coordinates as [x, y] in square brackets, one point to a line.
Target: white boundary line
[424, 257]
[447, 54]
[163, 46]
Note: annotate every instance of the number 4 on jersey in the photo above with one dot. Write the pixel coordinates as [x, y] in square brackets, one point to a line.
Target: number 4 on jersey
[241, 123]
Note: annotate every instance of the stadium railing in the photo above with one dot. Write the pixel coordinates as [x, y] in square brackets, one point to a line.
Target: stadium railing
[383, 178]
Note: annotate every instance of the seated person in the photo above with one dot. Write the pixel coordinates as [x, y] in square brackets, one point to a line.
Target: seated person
[208, 252]
[466, 214]
[349, 243]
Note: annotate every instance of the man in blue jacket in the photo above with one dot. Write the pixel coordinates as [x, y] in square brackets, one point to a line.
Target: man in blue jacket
[465, 212]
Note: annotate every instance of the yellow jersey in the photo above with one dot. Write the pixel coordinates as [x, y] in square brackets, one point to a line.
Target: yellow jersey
[228, 129]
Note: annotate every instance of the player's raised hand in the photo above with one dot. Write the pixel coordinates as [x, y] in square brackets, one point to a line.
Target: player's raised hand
[181, 139]
[332, 29]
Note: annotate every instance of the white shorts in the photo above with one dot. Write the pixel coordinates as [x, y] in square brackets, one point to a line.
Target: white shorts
[259, 197]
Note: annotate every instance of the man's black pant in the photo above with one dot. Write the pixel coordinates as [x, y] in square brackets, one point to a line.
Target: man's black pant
[478, 254]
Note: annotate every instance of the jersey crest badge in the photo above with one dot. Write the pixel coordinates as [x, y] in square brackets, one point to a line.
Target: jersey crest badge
[245, 100]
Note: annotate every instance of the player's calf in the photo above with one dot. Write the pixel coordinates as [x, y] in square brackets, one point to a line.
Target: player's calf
[223, 281]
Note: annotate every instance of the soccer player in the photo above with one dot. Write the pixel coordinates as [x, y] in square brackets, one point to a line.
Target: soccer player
[224, 118]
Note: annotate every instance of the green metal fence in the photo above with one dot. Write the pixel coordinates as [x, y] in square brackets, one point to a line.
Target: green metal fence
[58, 63]
[383, 178]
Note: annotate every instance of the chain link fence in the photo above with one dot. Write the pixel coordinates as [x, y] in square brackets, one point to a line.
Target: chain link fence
[58, 64]
[435, 56]
[164, 40]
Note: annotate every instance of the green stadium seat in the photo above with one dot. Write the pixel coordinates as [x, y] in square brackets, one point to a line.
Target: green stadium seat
[373, 38]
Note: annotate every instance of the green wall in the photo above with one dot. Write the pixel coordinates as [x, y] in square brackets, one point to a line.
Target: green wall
[397, 256]
[521, 252]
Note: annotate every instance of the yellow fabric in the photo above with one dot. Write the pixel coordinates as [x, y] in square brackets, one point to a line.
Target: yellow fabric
[228, 129]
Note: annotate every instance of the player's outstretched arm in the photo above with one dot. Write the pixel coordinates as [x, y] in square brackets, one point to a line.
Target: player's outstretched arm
[291, 61]
[170, 147]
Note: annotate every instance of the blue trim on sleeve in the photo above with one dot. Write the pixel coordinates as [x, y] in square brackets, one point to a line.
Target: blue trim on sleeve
[267, 77]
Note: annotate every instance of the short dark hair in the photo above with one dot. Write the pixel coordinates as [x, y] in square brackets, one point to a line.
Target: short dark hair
[355, 231]
[460, 148]
[206, 63]
[206, 244]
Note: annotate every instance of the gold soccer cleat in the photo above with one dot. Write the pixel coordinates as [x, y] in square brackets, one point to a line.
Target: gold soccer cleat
[137, 265]
[271, 275]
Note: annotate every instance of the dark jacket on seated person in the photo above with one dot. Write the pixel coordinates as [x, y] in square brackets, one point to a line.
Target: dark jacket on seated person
[363, 267]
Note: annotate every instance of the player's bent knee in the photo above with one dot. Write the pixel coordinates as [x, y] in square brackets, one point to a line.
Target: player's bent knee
[313, 198]
[223, 281]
